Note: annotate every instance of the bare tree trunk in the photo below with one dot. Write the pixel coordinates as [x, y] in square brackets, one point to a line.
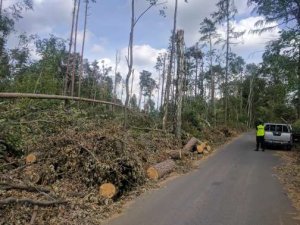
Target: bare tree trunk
[83, 44]
[158, 89]
[180, 74]
[132, 79]
[298, 76]
[68, 80]
[163, 81]
[241, 95]
[1, 3]
[140, 98]
[116, 71]
[212, 75]
[169, 75]
[129, 60]
[75, 49]
[227, 61]
[250, 98]
[201, 77]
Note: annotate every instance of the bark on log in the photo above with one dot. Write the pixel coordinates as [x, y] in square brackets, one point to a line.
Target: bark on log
[191, 144]
[11, 200]
[177, 154]
[159, 170]
[107, 190]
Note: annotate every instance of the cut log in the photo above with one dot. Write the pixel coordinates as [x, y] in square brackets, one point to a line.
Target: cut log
[191, 144]
[201, 148]
[159, 170]
[177, 154]
[107, 190]
[208, 148]
[31, 158]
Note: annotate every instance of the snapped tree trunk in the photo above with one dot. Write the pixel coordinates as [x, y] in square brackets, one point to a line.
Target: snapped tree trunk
[227, 62]
[75, 50]
[129, 61]
[83, 45]
[169, 75]
[180, 74]
[163, 81]
[68, 78]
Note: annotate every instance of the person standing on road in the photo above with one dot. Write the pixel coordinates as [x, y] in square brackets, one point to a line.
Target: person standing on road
[260, 136]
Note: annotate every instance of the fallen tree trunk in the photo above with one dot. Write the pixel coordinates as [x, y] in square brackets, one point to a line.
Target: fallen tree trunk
[177, 154]
[107, 190]
[159, 170]
[31, 202]
[191, 144]
[55, 97]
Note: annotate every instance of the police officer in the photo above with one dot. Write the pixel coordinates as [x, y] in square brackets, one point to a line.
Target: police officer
[260, 136]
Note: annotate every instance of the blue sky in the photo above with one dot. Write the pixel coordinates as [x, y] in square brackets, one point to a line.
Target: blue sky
[109, 22]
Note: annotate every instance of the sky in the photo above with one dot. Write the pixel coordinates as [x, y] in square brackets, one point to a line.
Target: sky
[109, 25]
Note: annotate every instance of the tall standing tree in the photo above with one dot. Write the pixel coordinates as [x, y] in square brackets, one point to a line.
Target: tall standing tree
[225, 14]
[75, 50]
[209, 33]
[282, 12]
[129, 58]
[83, 45]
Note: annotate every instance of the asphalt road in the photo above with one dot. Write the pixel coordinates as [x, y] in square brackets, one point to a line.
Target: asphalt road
[236, 186]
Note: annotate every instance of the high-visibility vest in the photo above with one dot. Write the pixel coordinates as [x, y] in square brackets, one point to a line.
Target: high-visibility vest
[260, 131]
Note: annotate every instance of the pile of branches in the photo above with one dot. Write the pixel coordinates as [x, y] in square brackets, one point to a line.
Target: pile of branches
[71, 165]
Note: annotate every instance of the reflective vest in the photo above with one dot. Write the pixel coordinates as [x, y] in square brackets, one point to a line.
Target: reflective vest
[260, 131]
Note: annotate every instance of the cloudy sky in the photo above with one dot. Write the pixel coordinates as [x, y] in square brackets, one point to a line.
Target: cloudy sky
[109, 23]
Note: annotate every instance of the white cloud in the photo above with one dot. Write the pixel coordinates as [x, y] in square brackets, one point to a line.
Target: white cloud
[46, 16]
[144, 59]
[96, 49]
[253, 45]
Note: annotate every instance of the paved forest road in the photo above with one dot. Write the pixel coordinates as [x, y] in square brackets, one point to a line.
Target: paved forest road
[234, 187]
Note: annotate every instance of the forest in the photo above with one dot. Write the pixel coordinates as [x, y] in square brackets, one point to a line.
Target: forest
[65, 108]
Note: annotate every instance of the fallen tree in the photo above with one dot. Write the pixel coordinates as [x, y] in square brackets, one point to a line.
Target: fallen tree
[55, 97]
[159, 170]
[191, 144]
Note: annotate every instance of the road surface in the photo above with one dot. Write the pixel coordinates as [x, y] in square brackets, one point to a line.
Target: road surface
[236, 186]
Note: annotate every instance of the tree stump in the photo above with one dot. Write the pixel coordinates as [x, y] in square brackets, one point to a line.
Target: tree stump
[191, 144]
[107, 190]
[175, 154]
[159, 170]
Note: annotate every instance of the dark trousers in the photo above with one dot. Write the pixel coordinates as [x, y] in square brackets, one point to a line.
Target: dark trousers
[260, 140]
